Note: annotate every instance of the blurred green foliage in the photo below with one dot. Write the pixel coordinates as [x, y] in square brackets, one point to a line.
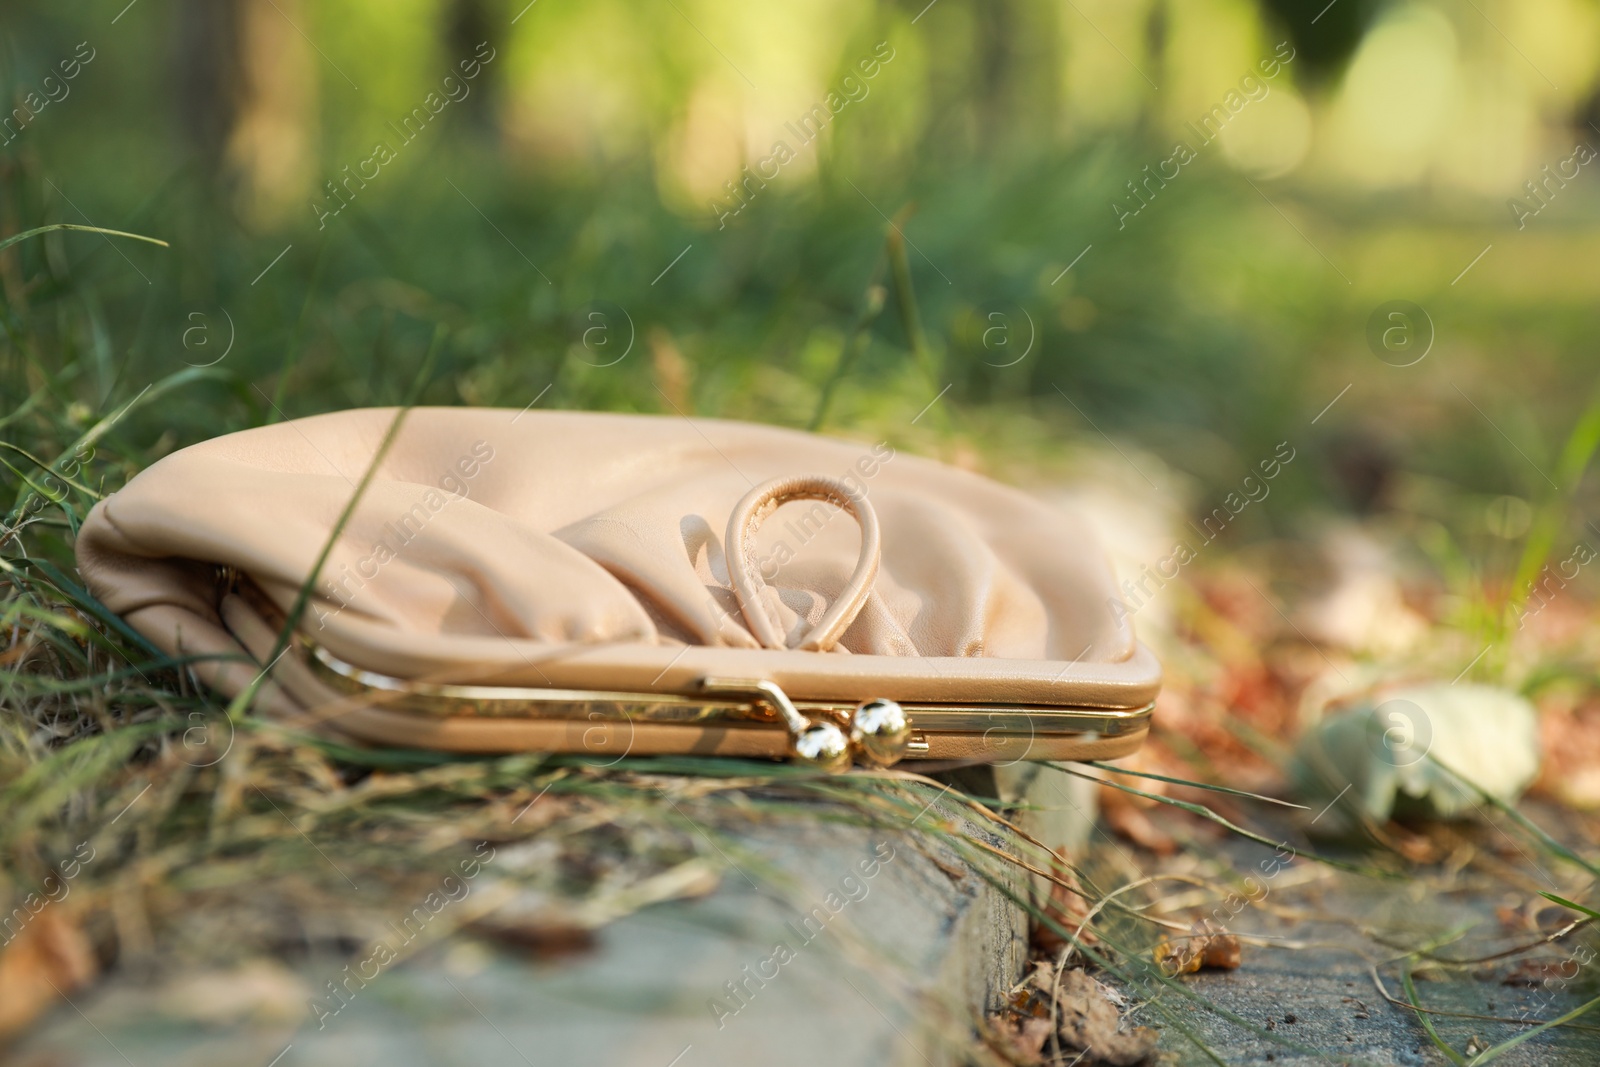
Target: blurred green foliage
[562, 209]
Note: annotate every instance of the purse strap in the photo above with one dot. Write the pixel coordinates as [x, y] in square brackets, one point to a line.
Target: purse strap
[743, 569]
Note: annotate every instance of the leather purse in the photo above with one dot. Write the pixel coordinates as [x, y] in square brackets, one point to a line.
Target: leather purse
[495, 581]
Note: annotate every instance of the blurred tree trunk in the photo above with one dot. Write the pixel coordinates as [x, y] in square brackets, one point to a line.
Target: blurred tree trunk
[993, 72]
[1157, 40]
[1018, 77]
[469, 24]
[1326, 37]
[247, 84]
[208, 75]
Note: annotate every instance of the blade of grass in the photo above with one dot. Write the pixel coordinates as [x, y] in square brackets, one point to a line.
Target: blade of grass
[88, 683]
[1422, 1016]
[854, 345]
[1527, 1035]
[1195, 785]
[26, 406]
[30, 485]
[291, 355]
[1576, 455]
[45, 787]
[1206, 813]
[303, 597]
[1475, 1016]
[36, 231]
[1574, 905]
[80, 598]
[150, 393]
[42, 465]
[1550, 843]
[904, 294]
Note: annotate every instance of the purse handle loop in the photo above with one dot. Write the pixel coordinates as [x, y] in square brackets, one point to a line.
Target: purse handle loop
[743, 569]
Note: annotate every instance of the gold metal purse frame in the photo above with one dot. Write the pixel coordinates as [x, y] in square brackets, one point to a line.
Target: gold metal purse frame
[729, 716]
[745, 717]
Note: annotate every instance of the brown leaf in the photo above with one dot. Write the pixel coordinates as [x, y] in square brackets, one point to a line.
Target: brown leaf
[48, 957]
[1020, 1038]
[1208, 944]
[1221, 951]
[1090, 1021]
[1180, 955]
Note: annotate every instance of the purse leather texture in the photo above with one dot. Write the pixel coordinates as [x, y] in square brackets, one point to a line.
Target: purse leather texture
[639, 553]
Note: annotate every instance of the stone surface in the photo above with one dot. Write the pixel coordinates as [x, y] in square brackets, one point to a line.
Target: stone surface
[891, 970]
[1339, 1016]
[1312, 989]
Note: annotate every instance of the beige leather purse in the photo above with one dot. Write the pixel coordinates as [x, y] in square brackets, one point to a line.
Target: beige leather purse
[614, 584]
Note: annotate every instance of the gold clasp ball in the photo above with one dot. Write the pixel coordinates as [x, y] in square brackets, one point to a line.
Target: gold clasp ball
[880, 732]
[823, 745]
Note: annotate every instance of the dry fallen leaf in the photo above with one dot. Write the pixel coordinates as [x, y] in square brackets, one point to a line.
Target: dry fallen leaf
[1208, 944]
[1177, 956]
[1088, 1020]
[48, 957]
[1021, 1037]
[1221, 951]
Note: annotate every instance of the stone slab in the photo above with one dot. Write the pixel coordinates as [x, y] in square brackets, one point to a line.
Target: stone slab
[890, 969]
